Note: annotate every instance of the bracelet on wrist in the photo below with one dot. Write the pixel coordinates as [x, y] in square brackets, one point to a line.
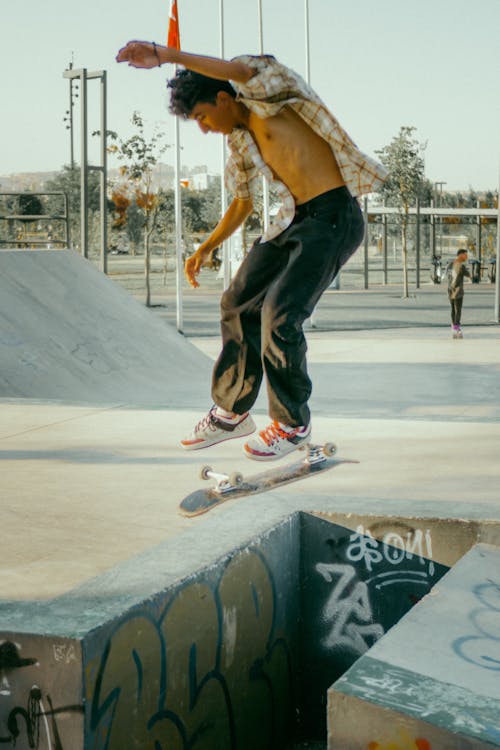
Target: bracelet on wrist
[157, 54]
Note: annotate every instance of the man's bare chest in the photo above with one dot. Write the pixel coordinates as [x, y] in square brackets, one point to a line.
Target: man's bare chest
[279, 137]
[289, 145]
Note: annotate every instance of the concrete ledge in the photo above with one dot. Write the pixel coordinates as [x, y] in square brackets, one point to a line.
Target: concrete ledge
[434, 678]
[236, 643]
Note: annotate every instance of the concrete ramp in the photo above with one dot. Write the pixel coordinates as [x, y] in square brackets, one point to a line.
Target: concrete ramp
[69, 333]
[432, 683]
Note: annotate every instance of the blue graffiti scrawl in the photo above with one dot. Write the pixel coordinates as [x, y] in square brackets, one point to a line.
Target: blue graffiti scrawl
[482, 647]
[209, 669]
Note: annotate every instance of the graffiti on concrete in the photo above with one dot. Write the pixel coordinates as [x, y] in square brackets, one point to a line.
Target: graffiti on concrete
[27, 714]
[370, 562]
[348, 610]
[482, 648]
[394, 549]
[209, 669]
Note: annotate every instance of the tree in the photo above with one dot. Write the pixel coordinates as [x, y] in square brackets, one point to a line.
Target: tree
[134, 225]
[403, 160]
[140, 154]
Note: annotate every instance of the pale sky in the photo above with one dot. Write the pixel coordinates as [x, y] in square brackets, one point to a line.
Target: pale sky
[378, 65]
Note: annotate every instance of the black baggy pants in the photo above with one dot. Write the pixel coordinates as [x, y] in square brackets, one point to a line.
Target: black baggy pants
[456, 310]
[274, 291]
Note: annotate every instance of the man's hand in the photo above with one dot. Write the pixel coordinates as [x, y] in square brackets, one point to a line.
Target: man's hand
[143, 54]
[192, 267]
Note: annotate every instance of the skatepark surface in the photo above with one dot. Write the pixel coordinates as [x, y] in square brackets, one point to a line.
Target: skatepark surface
[90, 478]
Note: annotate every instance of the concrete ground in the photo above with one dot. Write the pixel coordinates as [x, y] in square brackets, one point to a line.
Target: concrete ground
[86, 487]
[94, 478]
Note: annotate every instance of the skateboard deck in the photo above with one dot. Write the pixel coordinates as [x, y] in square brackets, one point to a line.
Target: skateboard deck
[318, 458]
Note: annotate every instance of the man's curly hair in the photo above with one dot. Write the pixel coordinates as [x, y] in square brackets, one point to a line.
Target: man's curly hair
[188, 88]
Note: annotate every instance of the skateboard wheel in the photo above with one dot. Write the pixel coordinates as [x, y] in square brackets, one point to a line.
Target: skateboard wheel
[205, 472]
[329, 449]
[236, 478]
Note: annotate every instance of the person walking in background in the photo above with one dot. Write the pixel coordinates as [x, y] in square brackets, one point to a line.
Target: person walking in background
[457, 271]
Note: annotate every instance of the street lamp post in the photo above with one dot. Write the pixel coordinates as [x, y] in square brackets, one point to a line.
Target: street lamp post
[68, 119]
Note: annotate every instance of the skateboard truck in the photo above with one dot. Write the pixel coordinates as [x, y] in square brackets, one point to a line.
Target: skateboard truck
[315, 454]
[224, 482]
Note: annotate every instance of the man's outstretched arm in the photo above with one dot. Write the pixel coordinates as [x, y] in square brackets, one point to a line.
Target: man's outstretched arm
[149, 55]
[234, 217]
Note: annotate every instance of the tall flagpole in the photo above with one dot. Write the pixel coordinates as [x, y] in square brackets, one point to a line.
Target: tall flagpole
[308, 80]
[226, 256]
[178, 228]
[308, 56]
[173, 40]
[265, 184]
[497, 262]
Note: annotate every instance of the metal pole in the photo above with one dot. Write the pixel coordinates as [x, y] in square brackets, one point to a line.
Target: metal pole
[72, 147]
[384, 247]
[433, 233]
[178, 229]
[478, 237]
[66, 220]
[365, 211]
[497, 267]
[226, 248]
[417, 245]
[104, 174]
[265, 184]
[308, 56]
[84, 229]
[308, 81]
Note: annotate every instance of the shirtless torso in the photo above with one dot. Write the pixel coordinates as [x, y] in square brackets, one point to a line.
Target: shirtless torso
[297, 156]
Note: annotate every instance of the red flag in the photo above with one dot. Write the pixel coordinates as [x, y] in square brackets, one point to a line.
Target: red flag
[174, 38]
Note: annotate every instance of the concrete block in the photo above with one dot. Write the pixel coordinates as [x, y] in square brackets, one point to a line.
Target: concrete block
[226, 636]
[354, 589]
[432, 683]
[178, 648]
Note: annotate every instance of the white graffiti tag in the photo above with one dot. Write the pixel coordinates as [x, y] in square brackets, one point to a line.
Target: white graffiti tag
[348, 609]
[393, 548]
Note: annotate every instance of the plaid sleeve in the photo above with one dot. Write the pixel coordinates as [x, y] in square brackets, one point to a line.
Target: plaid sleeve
[239, 175]
[271, 81]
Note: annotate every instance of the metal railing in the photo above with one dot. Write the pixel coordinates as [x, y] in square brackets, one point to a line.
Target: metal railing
[22, 239]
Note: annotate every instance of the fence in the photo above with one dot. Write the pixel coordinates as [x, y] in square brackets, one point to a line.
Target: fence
[434, 236]
[20, 231]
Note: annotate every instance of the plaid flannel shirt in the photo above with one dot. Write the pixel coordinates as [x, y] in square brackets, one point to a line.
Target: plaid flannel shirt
[273, 87]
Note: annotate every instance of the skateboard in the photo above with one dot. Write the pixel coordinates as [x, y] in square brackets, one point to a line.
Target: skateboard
[227, 486]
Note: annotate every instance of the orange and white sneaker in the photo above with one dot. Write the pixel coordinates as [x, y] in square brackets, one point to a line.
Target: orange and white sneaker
[276, 441]
[216, 427]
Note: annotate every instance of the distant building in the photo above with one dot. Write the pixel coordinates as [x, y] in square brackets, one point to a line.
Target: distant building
[203, 180]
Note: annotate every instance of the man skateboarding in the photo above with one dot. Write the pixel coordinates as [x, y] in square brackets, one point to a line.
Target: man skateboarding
[276, 126]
